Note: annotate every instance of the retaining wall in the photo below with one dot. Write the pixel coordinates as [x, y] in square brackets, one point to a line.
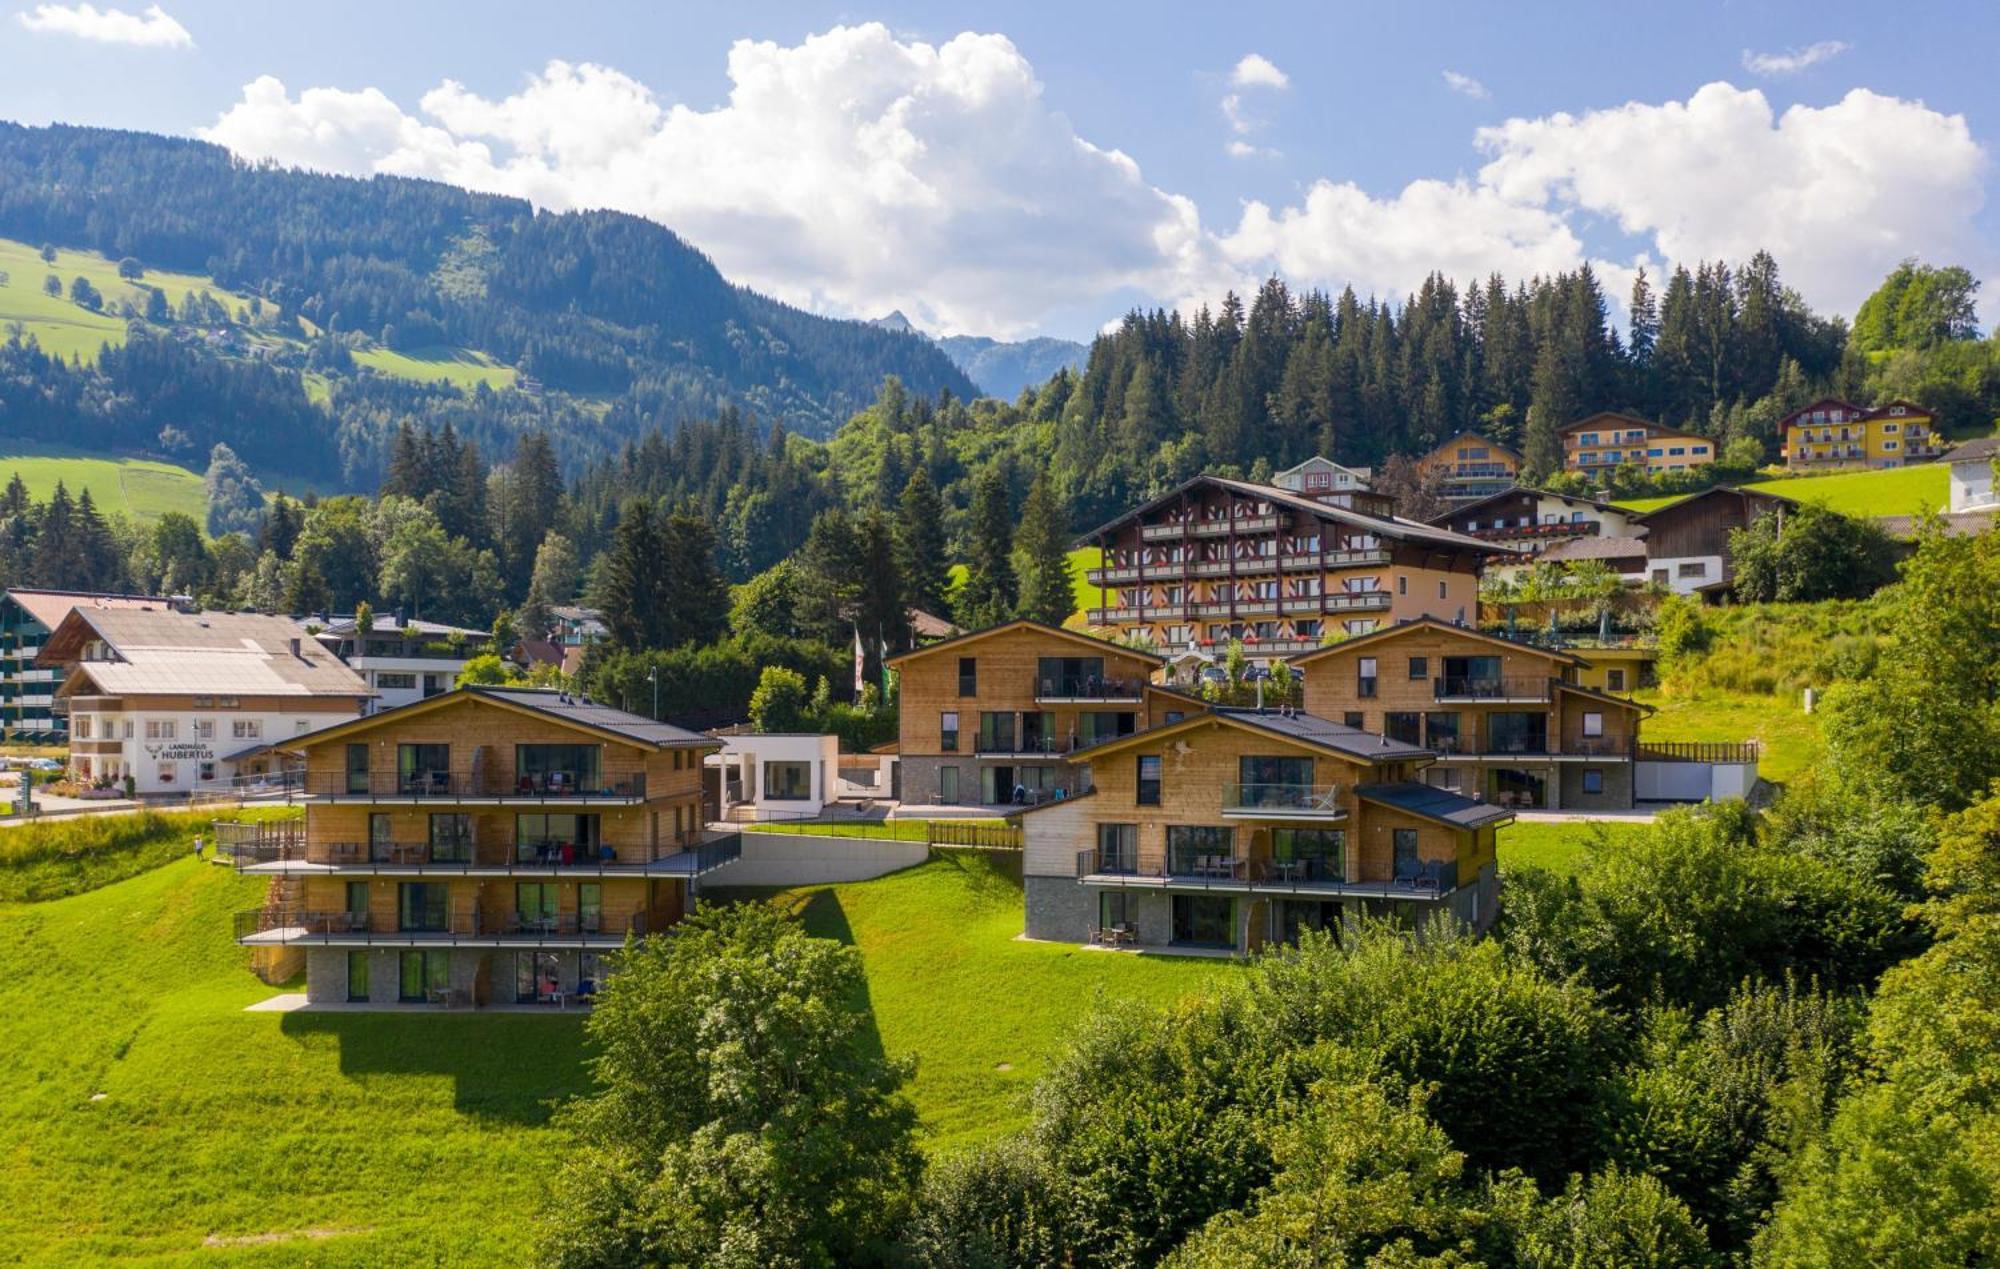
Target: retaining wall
[795, 859]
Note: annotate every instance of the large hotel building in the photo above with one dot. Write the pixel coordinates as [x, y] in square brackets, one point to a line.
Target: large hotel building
[1217, 560]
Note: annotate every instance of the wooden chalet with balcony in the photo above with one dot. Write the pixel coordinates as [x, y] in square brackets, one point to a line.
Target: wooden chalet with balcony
[483, 846]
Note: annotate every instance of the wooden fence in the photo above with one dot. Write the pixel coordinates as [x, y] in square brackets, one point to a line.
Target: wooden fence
[983, 836]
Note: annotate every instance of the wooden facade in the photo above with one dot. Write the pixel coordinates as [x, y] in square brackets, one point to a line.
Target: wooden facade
[1603, 442]
[1470, 466]
[1218, 560]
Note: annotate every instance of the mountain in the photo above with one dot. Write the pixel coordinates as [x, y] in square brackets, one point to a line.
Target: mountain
[353, 303]
[1003, 369]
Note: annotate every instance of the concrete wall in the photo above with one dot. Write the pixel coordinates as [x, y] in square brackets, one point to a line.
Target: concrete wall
[794, 859]
[1693, 781]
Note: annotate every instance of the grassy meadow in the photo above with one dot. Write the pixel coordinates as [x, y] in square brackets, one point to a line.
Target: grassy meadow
[1562, 846]
[1894, 491]
[68, 330]
[460, 367]
[138, 488]
[1080, 559]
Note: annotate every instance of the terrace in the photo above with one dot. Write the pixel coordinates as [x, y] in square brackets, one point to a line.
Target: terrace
[287, 853]
[1282, 801]
[1491, 690]
[403, 787]
[1322, 875]
[287, 927]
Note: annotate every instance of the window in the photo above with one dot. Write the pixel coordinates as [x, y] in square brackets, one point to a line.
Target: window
[1614, 680]
[1364, 677]
[1888, 445]
[948, 785]
[423, 905]
[204, 729]
[537, 977]
[1149, 780]
[1442, 591]
[968, 676]
[381, 835]
[1420, 668]
[160, 729]
[1117, 847]
[1677, 451]
[451, 838]
[357, 976]
[357, 905]
[1402, 583]
[1354, 718]
[1695, 568]
[1405, 849]
[1402, 726]
[549, 838]
[1314, 854]
[420, 768]
[1112, 911]
[245, 728]
[208, 771]
[535, 904]
[395, 682]
[559, 768]
[1593, 780]
[1701, 449]
[1441, 732]
[590, 907]
[82, 728]
[1593, 724]
[996, 732]
[788, 781]
[1517, 733]
[357, 768]
[1098, 726]
[1204, 921]
[1200, 850]
[1272, 781]
[1071, 676]
[1306, 629]
[948, 731]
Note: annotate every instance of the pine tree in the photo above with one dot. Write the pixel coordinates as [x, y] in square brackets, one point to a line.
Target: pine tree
[536, 495]
[306, 592]
[55, 541]
[404, 472]
[626, 585]
[98, 566]
[987, 598]
[1043, 545]
[1645, 323]
[692, 601]
[921, 560]
[1555, 404]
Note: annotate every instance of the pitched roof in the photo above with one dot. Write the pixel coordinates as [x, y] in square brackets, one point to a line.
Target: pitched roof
[569, 708]
[1597, 504]
[1910, 410]
[1439, 805]
[1596, 548]
[1984, 449]
[1957, 524]
[1387, 526]
[1598, 694]
[1487, 441]
[1431, 623]
[1710, 492]
[386, 624]
[50, 606]
[1823, 402]
[1301, 728]
[163, 652]
[1104, 646]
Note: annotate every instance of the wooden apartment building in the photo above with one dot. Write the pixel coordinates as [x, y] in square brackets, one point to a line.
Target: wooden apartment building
[484, 846]
[1601, 443]
[1230, 829]
[987, 717]
[1510, 723]
[1217, 560]
[1470, 466]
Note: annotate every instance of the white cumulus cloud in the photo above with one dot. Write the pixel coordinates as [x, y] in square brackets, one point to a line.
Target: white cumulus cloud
[1466, 85]
[1795, 60]
[153, 28]
[852, 173]
[1257, 70]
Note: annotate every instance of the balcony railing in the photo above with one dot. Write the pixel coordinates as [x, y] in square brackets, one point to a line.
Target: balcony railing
[1724, 751]
[692, 857]
[1308, 801]
[1193, 868]
[288, 926]
[1607, 747]
[1089, 688]
[1024, 746]
[1463, 688]
[446, 786]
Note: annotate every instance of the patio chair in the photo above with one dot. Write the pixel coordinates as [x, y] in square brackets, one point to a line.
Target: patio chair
[1430, 875]
[1406, 874]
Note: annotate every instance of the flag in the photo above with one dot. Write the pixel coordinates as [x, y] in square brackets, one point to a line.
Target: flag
[860, 657]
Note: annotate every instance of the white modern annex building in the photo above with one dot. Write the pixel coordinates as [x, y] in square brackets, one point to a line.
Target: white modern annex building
[174, 700]
[402, 660]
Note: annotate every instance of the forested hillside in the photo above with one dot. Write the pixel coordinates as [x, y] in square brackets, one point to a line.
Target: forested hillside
[614, 323]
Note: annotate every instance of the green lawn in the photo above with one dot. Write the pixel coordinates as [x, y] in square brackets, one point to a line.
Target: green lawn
[1896, 491]
[1561, 847]
[1080, 559]
[67, 330]
[951, 982]
[1790, 737]
[460, 367]
[138, 488]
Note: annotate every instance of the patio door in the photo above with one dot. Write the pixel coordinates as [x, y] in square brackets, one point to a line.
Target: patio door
[420, 973]
[1201, 920]
[357, 769]
[536, 977]
[590, 907]
[535, 904]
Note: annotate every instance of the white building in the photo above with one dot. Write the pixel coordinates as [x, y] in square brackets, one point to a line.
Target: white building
[1317, 476]
[403, 660]
[777, 775]
[1971, 485]
[173, 700]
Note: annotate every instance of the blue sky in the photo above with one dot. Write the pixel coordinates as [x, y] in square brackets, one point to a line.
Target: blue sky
[957, 161]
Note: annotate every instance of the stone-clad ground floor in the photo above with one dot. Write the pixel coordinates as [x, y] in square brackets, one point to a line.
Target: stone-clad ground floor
[1545, 786]
[1062, 909]
[469, 977]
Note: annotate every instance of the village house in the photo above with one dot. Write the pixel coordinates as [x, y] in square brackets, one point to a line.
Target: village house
[1831, 433]
[1219, 560]
[1233, 829]
[27, 689]
[1533, 520]
[1687, 541]
[402, 659]
[483, 846]
[1469, 467]
[1601, 443]
[172, 700]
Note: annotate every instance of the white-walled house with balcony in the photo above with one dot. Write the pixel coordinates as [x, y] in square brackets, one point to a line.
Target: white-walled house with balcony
[402, 659]
[776, 775]
[174, 700]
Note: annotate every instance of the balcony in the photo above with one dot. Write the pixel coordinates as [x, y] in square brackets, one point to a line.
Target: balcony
[288, 927]
[1282, 801]
[1432, 879]
[1238, 524]
[457, 787]
[1534, 748]
[1022, 746]
[1089, 690]
[1551, 529]
[1491, 690]
[1164, 532]
[1358, 601]
[286, 853]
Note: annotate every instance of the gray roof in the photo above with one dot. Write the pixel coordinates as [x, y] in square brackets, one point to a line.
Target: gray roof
[575, 708]
[1957, 524]
[1441, 805]
[163, 652]
[1986, 447]
[385, 624]
[1311, 728]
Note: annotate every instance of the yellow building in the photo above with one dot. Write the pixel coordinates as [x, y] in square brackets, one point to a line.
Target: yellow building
[1607, 440]
[1470, 466]
[1831, 433]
